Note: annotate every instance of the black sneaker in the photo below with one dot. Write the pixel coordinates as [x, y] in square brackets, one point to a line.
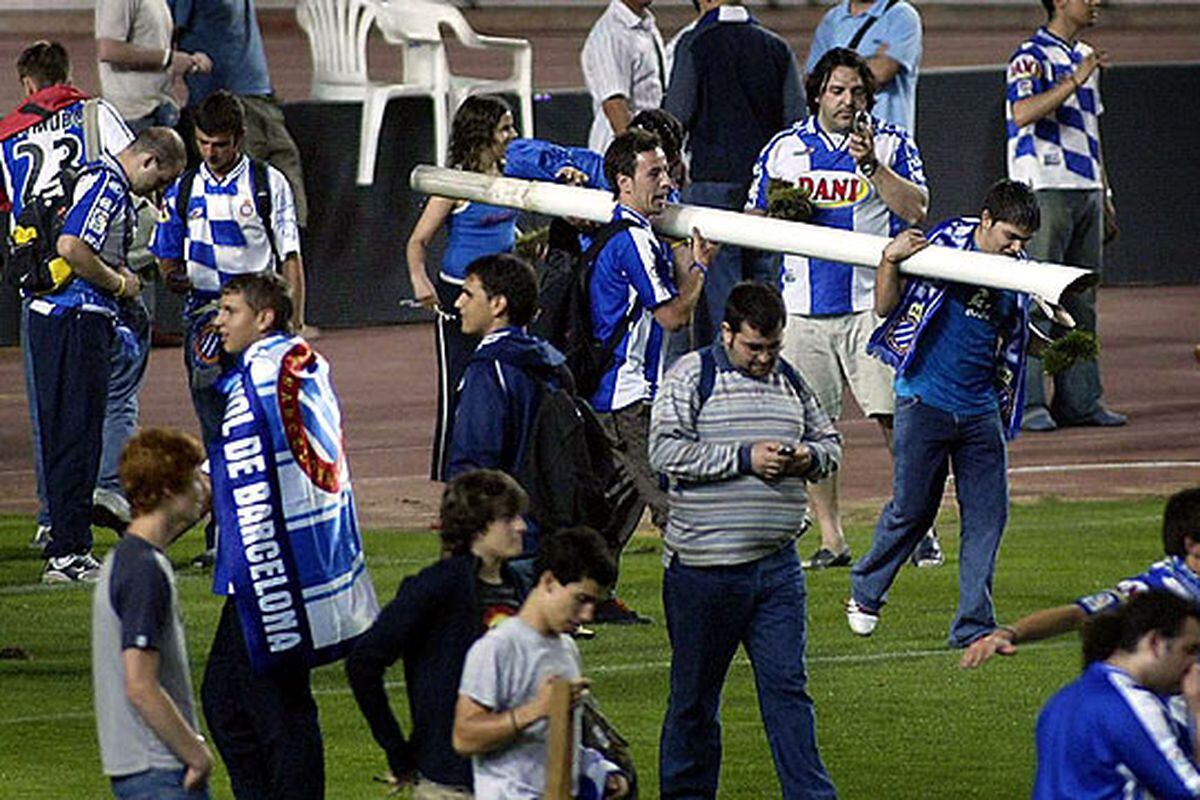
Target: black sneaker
[929, 551]
[613, 611]
[75, 568]
[826, 558]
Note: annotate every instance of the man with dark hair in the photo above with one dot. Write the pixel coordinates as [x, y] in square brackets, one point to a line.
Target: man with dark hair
[238, 219]
[150, 745]
[733, 85]
[959, 354]
[1179, 573]
[289, 556]
[1117, 730]
[71, 336]
[1053, 110]
[887, 34]
[500, 720]
[53, 129]
[639, 287]
[500, 392]
[861, 174]
[737, 432]
[435, 618]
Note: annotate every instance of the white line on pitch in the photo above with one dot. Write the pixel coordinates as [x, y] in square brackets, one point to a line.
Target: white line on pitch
[740, 661]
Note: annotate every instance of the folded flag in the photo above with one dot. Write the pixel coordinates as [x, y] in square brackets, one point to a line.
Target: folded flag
[288, 544]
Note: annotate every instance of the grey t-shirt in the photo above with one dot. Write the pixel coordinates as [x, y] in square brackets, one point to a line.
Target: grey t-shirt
[145, 23]
[135, 605]
[503, 670]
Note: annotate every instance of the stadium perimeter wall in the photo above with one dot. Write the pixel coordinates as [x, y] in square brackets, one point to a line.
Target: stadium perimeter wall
[354, 247]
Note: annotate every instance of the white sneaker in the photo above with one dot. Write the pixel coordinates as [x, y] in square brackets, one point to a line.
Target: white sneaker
[110, 510]
[862, 622]
[41, 538]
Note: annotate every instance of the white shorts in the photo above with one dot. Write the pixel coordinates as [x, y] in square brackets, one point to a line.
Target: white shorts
[831, 352]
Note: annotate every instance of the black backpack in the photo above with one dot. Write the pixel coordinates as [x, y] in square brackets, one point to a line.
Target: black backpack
[565, 312]
[32, 262]
[259, 184]
[568, 469]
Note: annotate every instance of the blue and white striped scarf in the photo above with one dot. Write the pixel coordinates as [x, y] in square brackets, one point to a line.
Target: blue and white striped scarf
[288, 544]
[895, 343]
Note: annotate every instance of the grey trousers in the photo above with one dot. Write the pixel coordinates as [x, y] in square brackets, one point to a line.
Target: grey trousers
[1072, 233]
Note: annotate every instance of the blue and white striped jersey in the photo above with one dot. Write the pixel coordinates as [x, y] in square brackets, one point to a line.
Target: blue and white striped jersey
[806, 155]
[632, 275]
[1062, 149]
[1106, 736]
[34, 158]
[223, 234]
[1172, 574]
[103, 217]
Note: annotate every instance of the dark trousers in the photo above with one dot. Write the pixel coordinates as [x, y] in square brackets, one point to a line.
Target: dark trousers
[265, 728]
[207, 400]
[710, 611]
[71, 358]
[454, 349]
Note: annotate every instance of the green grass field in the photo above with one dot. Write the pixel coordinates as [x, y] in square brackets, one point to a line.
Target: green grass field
[896, 717]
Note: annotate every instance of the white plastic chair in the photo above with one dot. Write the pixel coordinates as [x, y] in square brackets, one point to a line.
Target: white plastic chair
[337, 32]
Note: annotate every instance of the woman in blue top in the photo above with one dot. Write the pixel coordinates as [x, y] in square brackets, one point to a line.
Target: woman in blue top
[482, 130]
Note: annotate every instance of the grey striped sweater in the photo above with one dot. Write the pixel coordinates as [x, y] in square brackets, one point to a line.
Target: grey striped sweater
[721, 513]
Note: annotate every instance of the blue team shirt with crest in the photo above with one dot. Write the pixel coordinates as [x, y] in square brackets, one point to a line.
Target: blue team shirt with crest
[806, 155]
[954, 369]
[632, 275]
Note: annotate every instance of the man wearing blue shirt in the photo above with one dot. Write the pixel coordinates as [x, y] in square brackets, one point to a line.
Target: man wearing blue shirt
[1114, 731]
[887, 33]
[71, 336]
[1179, 573]
[959, 355]
[639, 288]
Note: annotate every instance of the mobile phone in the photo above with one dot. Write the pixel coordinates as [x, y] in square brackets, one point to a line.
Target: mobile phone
[862, 121]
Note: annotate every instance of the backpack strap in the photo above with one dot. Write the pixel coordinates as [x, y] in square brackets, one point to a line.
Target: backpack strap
[260, 184]
[603, 236]
[37, 110]
[708, 375]
[184, 196]
[866, 26]
[91, 130]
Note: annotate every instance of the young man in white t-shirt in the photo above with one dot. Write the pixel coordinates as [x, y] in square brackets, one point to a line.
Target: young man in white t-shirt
[504, 695]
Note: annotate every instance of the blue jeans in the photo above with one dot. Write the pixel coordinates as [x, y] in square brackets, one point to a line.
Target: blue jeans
[710, 610]
[732, 264]
[131, 351]
[155, 784]
[1072, 232]
[39, 473]
[927, 442]
[165, 114]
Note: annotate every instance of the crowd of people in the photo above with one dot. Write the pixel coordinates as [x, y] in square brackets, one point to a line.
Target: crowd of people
[713, 377]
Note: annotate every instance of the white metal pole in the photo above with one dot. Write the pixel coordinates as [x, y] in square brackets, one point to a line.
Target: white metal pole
[1045, 280]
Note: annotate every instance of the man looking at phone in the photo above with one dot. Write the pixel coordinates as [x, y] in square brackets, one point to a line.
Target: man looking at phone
[737, 432]
[860, 174]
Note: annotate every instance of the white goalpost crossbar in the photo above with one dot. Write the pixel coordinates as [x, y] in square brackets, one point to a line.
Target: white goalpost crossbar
[1046, 281]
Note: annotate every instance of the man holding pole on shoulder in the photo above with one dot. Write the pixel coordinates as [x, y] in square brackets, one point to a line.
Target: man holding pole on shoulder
[959, 355]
